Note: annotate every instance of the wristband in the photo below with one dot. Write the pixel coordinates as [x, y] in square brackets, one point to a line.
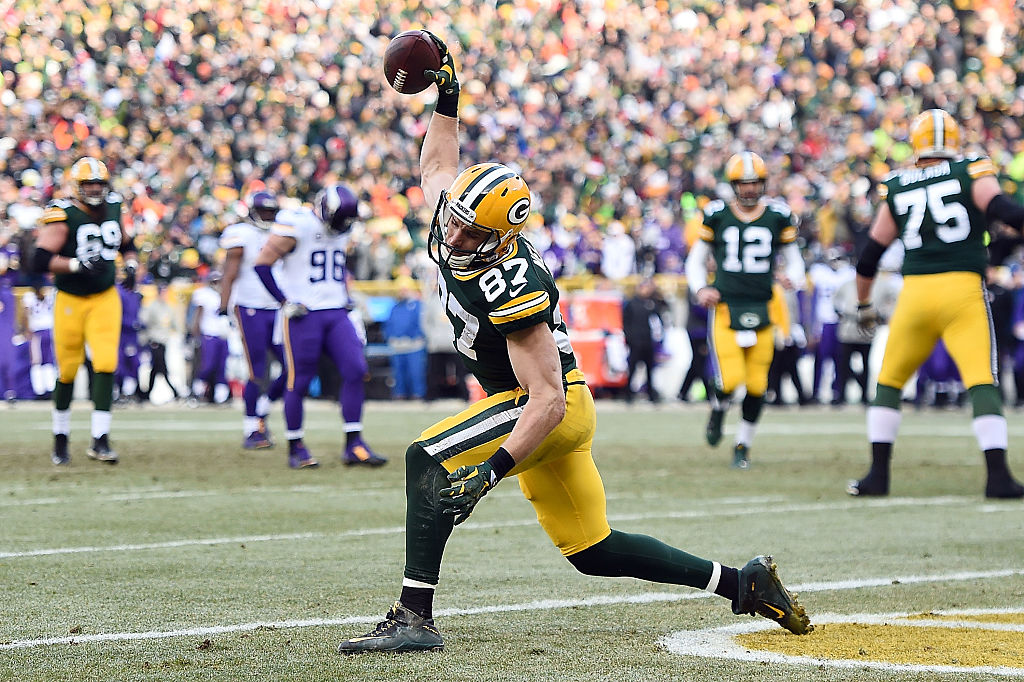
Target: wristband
[74, 265]
[448, 105]
[501, 463]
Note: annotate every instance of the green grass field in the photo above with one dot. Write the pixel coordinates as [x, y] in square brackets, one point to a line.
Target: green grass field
[195, 560]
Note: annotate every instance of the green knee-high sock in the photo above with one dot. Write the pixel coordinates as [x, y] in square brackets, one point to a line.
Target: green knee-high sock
[62, 395]
[426, 528]
[640, 556]
[102, 391]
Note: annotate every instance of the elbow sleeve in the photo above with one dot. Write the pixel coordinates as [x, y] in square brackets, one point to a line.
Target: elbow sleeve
[41, 260]
[1005, 209]
[867, 264]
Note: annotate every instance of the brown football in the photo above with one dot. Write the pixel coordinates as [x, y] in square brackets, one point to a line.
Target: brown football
[408, 54]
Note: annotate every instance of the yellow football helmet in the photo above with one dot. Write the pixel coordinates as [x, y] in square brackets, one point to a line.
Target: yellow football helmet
[934, 134]
[489, 197]
[87, 170]
[747, 173]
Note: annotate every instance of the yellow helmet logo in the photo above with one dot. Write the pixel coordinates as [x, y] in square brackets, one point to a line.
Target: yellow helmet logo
[490, 197]
[934, 134]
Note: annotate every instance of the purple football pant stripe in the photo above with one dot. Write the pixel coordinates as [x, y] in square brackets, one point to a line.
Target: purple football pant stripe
[330, 332]
[256, 327]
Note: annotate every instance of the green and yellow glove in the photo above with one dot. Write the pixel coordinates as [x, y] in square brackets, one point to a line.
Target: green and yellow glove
[469, 484]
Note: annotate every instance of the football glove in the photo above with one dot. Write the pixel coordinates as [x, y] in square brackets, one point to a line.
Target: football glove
[469, 484]
[88, 266]
[293, 310]
[447, 81]
[867, 317]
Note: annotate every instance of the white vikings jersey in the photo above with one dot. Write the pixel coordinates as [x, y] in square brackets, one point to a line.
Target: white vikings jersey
[826, 282]
[248, 291]
[38, 311]
[210, 323]
[314, 271]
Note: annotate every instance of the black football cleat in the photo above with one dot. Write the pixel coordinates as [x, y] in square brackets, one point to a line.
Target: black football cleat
[741, 457]
[869, 486]
[60, 456]
[101, 452]
[713, 432]
[761, 592]
[1003, 488]
[401, 631]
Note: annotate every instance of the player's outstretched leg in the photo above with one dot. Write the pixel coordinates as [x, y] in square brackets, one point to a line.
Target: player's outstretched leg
[761, 592]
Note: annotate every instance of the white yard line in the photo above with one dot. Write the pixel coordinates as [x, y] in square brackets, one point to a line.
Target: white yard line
[541, 605]
[720, 643]
[689, 514]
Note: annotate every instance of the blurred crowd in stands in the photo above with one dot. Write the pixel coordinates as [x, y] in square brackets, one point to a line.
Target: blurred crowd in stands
[620, 114]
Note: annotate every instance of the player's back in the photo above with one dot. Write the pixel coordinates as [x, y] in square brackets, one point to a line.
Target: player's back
[941, 228]
[313, 273]
[248, 291]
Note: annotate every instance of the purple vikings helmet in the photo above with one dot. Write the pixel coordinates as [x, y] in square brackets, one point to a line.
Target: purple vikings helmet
[336, 206]
[263, 208]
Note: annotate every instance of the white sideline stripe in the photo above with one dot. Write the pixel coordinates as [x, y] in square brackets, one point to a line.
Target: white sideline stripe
[719, 643]
[159, 494]
[540, 605]
[691, 514]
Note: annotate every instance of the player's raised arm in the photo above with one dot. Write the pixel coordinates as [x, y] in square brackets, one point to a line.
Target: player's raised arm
[439, 157]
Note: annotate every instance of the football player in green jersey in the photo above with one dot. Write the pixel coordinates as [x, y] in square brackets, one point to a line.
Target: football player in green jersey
[940, 208]
[538, 419]
[78, 242]
[744, 236]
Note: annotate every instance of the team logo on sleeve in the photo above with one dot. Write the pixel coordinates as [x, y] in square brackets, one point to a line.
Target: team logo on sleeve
[519, 211]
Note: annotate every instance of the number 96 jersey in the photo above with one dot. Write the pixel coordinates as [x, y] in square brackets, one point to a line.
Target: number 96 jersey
[515, 293]
[745, 248]
[313, 273]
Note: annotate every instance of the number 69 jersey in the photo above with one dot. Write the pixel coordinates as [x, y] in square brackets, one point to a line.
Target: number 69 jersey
[515, 293]
[88, 235]
[941, 228]
[745, 248]
[313, 273]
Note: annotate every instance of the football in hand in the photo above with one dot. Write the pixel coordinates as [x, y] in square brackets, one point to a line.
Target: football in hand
[407, 56]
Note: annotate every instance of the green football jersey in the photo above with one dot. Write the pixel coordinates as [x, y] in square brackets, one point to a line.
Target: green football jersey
[941, 228]
[88, 234]
[515, 293]
[745, 250]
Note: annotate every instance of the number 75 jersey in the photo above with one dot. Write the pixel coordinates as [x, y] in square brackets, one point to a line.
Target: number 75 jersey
[313, 273]
[745, 248]
[941, 228]
[485, 306]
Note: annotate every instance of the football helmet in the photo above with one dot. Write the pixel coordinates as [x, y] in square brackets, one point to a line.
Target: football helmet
[489, 197]
[263, 207]
[747, 173]
[336, 206]
[934, 134]
[91, 171]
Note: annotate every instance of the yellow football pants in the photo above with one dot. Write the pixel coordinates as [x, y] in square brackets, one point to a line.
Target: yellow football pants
[559, 478]
[735, 365]
[950, 306]
[80, 320]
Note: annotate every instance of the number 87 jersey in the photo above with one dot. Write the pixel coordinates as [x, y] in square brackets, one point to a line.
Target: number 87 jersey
[515, 293]
[313, 272]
